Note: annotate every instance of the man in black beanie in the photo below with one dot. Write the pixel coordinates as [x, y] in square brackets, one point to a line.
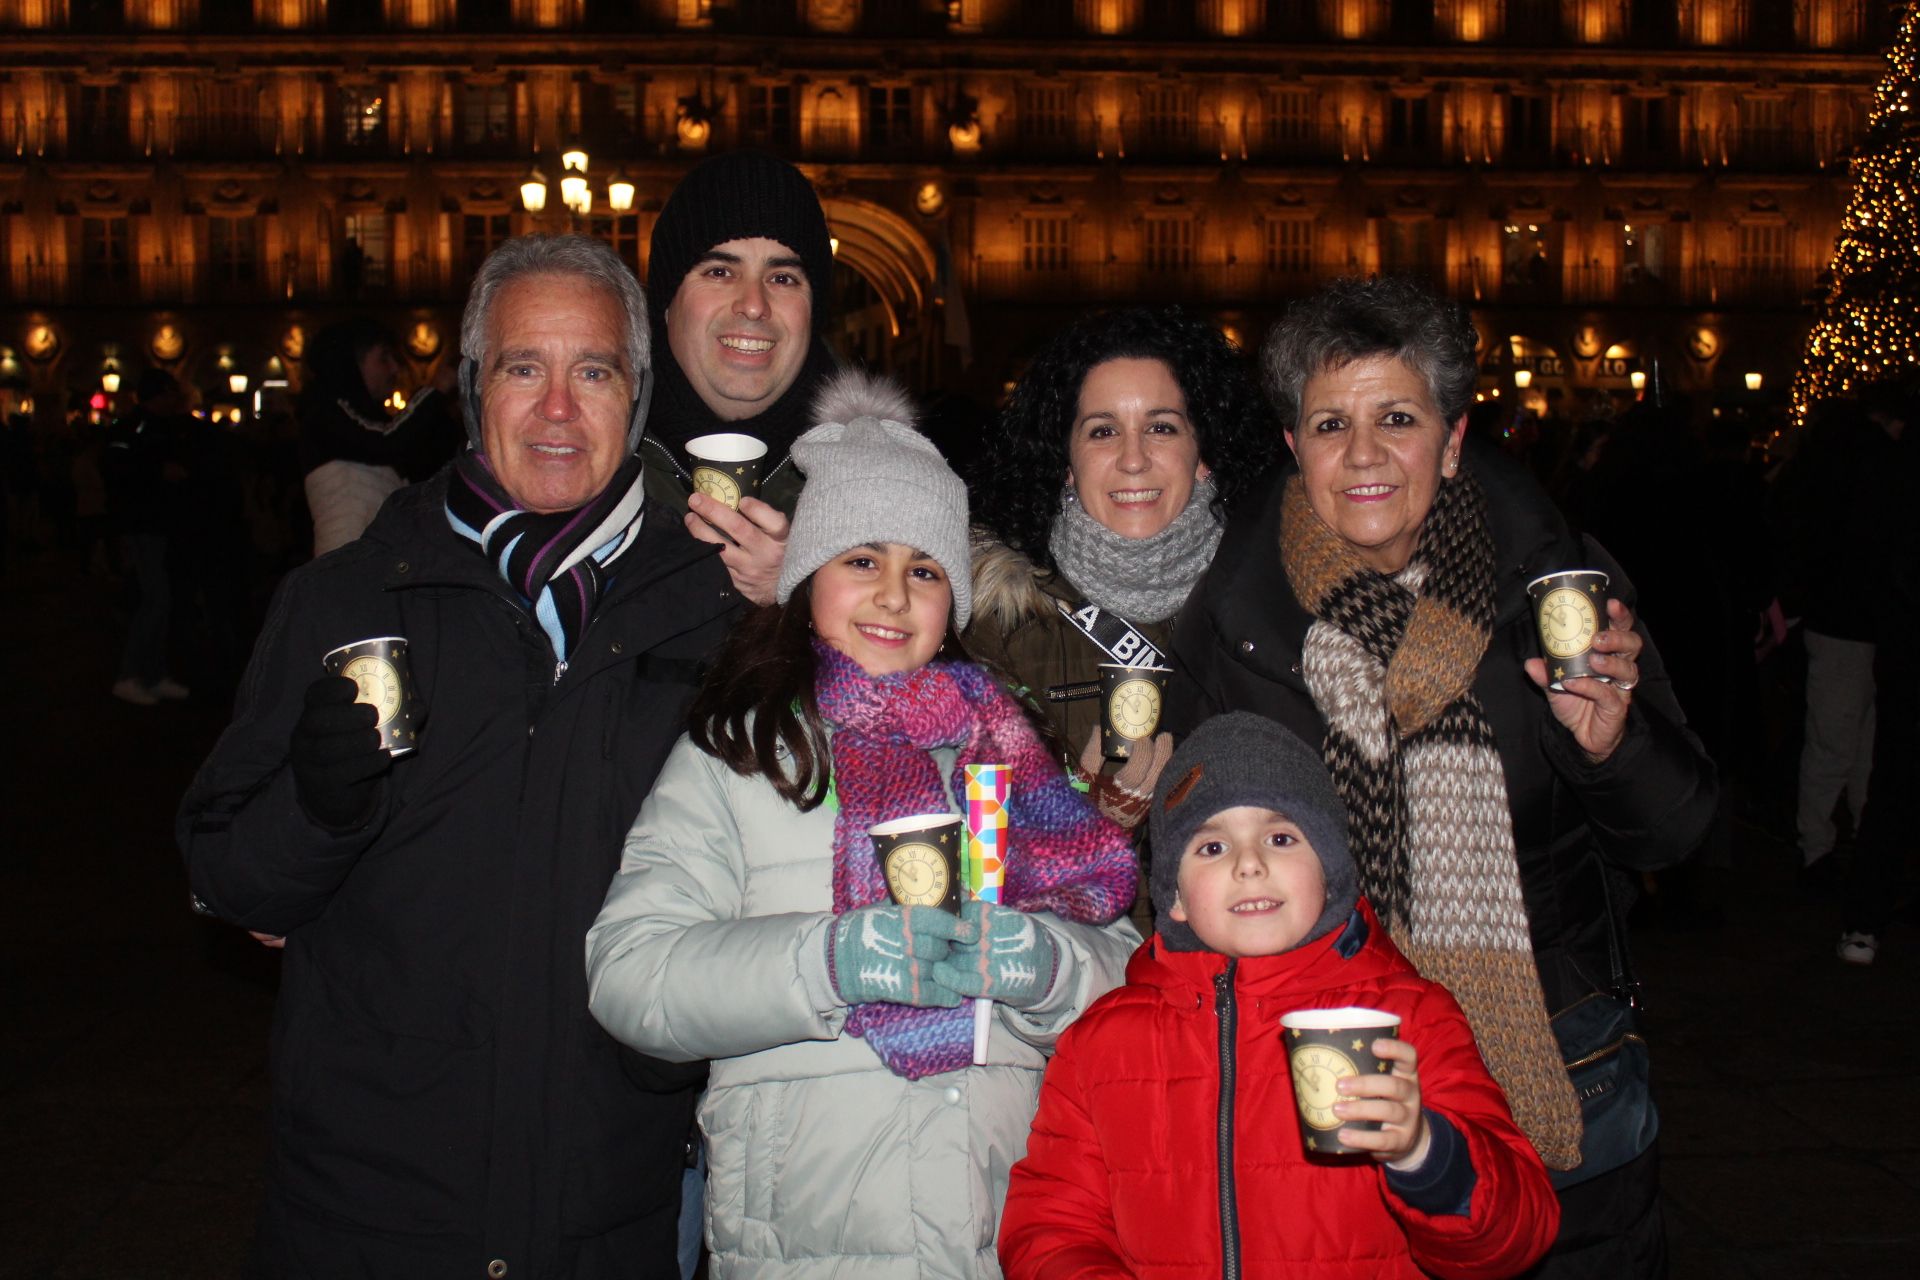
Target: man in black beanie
[740, 277]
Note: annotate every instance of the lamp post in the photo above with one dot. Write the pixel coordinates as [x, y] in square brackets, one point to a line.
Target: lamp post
[576, 193]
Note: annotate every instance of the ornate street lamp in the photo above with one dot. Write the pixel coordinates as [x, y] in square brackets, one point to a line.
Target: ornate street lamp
[533, 192]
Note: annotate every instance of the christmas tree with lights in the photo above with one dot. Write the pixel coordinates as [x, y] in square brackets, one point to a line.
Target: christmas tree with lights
[1868, 330]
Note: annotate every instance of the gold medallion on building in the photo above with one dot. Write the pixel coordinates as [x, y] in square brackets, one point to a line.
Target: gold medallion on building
[718, 485]
[378, 683]
[1317, 1071]
[1134, 709]
[917, 875]
[1567, 622]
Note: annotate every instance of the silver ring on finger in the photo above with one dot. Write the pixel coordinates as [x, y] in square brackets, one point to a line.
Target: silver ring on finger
[1625, 686]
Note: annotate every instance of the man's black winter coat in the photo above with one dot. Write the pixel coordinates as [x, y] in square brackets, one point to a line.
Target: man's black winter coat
[441, 1099]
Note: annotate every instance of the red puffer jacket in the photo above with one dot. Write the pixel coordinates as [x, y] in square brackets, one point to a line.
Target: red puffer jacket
[1153, 1154]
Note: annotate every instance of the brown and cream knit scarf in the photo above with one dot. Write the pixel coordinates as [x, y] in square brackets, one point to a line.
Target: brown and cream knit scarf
[1390, 664]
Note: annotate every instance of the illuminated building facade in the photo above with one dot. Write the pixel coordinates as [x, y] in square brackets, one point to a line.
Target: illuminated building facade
[201, 182]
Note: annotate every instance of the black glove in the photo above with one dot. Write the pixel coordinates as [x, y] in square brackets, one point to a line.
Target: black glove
[338, 762]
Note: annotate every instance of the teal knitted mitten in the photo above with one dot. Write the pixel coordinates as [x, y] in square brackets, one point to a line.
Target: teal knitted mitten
[1002, 955]
[887, 952]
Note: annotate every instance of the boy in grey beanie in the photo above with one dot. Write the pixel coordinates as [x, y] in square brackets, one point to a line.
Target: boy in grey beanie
[1173, 1098]
[1237, 760]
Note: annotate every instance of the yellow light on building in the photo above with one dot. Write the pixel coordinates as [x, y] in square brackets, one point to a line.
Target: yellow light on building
[620, 193]
[1753, 381]
[1523, 378]
[1638, 380]
[237, 383]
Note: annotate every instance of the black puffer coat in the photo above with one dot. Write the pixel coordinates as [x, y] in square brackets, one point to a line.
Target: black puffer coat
[441, 1098]
[1237, 646]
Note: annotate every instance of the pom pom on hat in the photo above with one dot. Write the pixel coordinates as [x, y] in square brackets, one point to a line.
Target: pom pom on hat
[872, 478]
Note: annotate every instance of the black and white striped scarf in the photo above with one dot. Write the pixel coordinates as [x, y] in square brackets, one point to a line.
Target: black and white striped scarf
[1390, 663]
[558, 562]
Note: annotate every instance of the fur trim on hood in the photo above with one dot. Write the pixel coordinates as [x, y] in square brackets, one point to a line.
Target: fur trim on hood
[1006, 584]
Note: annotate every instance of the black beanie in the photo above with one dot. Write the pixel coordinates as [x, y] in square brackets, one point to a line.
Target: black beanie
[739, 195]
[1244, 759]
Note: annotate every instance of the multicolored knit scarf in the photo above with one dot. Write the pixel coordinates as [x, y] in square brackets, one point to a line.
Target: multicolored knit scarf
[558, 562]
[1062, 856]
[1390, 663]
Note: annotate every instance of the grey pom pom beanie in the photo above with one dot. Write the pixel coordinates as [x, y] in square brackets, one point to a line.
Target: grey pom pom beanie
[872, 478]
[1244, 759]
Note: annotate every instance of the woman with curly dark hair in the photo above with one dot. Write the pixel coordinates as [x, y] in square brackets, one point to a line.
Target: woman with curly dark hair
[1099, 506]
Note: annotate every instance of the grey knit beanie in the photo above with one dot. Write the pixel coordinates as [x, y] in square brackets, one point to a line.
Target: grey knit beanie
[872, 478]
[1244, 759]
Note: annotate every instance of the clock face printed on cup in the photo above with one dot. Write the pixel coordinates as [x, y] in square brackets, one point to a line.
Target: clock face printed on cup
[1317, 1069]
[379, 685]
[1567, 622]
[718, 485]
[1134, 709]
[917, 875]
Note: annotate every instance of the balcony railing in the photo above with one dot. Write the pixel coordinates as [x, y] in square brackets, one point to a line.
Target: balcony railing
[246, 137]
[1170, 141]
[197, 284]
[1218, 283]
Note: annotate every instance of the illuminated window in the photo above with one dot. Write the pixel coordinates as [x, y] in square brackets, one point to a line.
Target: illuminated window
[365, 253]
[363, 116]
[889, 116]
[1166, 115]
[1410, 124]
[101, 114]
[486, 116]
[104, 261]
[233, 249]
[1409, 246]
[1045, 241]
[1762, 120]
[481, 234]
[1168, 242]
[1290, 244]
[1524, 259]
[1292, 118]
[1643, 252]
[622, 231]
[1529, 120]
[768, 115]
[1045, 112]
[1647, 125]
[1762, 247]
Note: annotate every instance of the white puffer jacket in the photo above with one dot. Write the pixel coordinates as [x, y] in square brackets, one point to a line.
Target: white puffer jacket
[822, 1162]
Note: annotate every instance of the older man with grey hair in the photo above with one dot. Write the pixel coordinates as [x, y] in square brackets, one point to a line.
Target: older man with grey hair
[442, 1103]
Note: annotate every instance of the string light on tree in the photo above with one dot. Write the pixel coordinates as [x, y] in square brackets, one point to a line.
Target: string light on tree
[1868, 329]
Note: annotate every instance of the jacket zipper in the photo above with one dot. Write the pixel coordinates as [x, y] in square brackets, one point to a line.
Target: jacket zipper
[668, 455]
[1228, 1014]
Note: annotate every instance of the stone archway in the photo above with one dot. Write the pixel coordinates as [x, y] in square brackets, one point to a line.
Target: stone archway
[892, 257]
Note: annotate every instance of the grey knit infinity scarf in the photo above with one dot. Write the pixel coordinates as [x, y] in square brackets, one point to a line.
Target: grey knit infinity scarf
[1141, 579]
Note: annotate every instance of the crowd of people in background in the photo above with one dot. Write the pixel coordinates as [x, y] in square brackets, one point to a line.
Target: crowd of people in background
[604, 980]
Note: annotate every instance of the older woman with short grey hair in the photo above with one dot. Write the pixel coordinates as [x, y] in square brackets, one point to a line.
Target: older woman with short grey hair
[1488, 809]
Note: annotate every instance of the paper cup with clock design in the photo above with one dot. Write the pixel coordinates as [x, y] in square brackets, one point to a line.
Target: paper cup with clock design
[1130, 702]
[726, 466]
[920, 858]
[1324, 1047]
[1570, 609]
[379, 667]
